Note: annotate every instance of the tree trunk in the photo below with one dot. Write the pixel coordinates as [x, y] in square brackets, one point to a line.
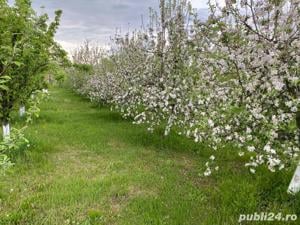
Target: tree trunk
[22, 110]
[6, 129]
[294, 186]
[298, 122]
[6, 107]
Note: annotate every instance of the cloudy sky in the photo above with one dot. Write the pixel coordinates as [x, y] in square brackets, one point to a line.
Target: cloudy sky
[97, 20]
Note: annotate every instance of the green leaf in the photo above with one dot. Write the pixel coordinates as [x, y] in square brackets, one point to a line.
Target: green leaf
[18, 63]
[4, 87]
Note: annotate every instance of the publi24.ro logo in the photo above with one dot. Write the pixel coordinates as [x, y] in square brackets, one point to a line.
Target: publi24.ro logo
[264, 216]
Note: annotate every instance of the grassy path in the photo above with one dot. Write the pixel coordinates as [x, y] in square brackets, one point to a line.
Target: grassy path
[88, 166]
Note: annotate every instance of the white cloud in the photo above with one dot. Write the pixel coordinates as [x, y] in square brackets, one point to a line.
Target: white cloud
[200, 4]
[68, 46]
[98, 20]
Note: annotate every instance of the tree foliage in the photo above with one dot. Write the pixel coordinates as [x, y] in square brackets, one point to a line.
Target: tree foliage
[27, 47]
[231, 79]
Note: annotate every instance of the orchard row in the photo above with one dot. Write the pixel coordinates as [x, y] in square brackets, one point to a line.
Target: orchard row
[232, 79]
[27, 50]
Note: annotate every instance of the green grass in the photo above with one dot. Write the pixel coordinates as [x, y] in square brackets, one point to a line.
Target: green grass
[87, 165]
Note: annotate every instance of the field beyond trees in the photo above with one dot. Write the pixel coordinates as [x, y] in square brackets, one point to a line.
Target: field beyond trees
[89, 166]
